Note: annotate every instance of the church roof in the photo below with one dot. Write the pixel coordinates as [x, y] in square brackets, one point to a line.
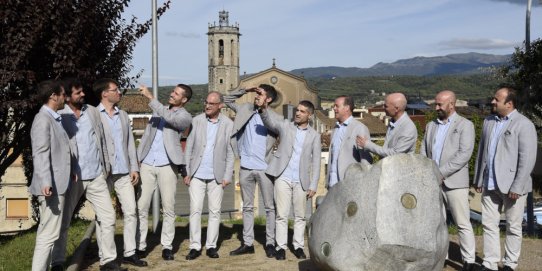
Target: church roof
[275, 69]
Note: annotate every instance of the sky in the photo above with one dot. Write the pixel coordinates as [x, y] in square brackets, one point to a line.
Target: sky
[317, 33]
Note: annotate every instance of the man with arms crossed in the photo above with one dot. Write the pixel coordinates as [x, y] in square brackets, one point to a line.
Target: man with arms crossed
[505, 160]
[51, 159]
[449, 141]
[84, 127]
[160, 154]
[122, 156]
[402, 133]
[296, 167]
[343, 148]
[254, 145]
[209, 167]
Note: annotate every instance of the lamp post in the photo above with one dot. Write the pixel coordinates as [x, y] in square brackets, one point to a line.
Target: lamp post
[156, 195]
[530, 205]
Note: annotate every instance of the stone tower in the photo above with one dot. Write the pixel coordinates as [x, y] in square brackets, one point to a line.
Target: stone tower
[223, 54]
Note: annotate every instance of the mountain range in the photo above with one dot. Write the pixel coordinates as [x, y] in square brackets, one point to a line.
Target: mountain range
[454, 64]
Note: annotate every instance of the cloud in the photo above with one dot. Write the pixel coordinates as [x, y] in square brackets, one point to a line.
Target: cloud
[478, 44]
[520, 2]
[183, 35]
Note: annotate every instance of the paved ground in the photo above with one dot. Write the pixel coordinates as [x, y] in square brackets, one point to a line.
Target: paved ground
[531, 257]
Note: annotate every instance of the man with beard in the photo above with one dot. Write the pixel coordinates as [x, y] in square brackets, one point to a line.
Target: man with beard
[84, 127]
[402, 133]
[296, 168]
[160, 154]
[124, 166]
[51, 176]
[505, 160]
[254, 144]
[449, 141]
[209, 167]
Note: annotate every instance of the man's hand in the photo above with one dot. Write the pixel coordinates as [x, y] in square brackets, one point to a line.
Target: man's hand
[47, 191]
[479, 189]
[225, 183]
[310, 193]
[145, 92]
[186, 180]
[134, 175]
[361, 141]
[513, 195]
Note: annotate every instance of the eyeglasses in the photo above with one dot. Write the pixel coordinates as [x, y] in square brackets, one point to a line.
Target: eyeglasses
[209, 103]
[114, 90]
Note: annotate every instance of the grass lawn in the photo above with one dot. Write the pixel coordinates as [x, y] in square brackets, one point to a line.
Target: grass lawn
[16, 250]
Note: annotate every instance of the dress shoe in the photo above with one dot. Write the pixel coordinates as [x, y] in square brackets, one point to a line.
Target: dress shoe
[141, 253]
[280, 254]
[57, 267]
[469, 266]
[507, 268]
[299, 253]
[270, 251]
[167, 254]
[212, 253]
[242, 250]
[483, 268]
[134, 260]
[193, 254]
[111, 266]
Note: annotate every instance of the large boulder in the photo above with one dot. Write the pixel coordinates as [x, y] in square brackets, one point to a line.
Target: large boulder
[386, 216]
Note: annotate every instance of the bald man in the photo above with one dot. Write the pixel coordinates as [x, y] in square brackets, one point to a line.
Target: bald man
[401, 135]
[449, 141]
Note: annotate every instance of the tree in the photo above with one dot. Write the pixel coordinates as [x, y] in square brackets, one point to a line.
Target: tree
[44, 39]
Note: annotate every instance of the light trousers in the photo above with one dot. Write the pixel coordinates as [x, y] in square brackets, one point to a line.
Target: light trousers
[492, 202]
[248, 179]
[97, 194]
[165, 179]
[51, 209]
[457, 201]
[197, 191]
[287, 193]
[122, 183]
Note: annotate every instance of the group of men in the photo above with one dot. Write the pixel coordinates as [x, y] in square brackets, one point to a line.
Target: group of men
[80, 149]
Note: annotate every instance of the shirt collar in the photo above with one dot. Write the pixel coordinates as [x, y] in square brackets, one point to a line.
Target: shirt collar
[345, 123]
[507, 117]
[449, 120]
[54, 114]
[101, 108]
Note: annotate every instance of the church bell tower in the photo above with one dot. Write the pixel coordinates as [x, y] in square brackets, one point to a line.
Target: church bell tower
[223, 54]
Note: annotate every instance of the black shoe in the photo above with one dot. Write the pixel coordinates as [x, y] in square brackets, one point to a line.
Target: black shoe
[141, 253]
[134, 260]
[469, 266]
[299, 253]
[111, 266]
[483, 268]
[193, 254]
[507, 268]
[212, 253]
[270, 251]
[57, 267]
[280, 254]
[167, 254]
[242, 250]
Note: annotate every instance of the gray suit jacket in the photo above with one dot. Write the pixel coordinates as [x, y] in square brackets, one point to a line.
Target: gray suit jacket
[456, 152]
[515, 156]
[176, 122]
[402, 139]
[50, 154]
[95, 118]
[128, 144]
[243, 114]
[222, 152]
[349, 152]
[309, 168]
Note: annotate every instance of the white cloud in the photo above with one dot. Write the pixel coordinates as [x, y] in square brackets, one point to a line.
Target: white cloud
[478, 44]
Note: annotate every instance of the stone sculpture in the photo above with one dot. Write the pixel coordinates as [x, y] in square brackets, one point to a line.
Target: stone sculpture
[386, 216]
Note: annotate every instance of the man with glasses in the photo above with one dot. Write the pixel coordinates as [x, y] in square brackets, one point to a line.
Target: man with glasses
[160, 154]
[209, 167]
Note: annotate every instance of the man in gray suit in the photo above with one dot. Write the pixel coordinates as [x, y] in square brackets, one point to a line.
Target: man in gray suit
[50, 178]
[84, 127]
[449, 141]
[343, 150]
[160, 154]
[402, 133]
[124, 165]
[209, 167]
[254, 144]
[505, 160]
[296, 167]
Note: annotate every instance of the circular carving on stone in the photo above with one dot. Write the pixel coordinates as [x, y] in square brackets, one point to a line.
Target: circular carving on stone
[326, 249]
[274, 80]
[408, 200]
[351, 208]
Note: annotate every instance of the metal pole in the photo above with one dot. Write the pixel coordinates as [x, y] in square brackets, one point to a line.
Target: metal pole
[530, 205]
[156, 195]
